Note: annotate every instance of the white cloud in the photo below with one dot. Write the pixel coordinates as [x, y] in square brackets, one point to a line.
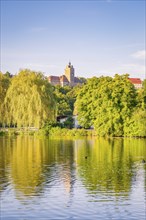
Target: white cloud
[141, 54]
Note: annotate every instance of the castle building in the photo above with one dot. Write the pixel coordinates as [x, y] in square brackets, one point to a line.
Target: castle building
[69, 73]
[67, 79]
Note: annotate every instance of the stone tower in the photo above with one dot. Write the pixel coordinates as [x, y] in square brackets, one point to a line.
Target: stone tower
[69, 73]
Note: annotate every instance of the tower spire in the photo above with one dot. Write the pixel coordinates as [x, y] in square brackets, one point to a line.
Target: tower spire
[69, 73]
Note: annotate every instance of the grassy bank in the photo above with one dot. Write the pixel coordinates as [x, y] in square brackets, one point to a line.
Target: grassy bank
[53, 132]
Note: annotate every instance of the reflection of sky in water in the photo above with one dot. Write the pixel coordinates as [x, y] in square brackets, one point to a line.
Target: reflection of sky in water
[52, 179]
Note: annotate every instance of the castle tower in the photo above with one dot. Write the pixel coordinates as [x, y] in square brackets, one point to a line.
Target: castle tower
[69, 73]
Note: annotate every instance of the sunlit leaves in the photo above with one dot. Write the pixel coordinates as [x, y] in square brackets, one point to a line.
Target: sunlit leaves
[136, 125]
[4, 84]
[106, 103]
[29, 100]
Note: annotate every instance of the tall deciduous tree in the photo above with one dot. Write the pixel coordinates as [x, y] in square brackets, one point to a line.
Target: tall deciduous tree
[63, 105]
[136, 125]
[106, 103]
[66, 97]
[29, 100]
[4, 84]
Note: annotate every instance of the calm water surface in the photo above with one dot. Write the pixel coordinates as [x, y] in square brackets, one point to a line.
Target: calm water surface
[72, 179]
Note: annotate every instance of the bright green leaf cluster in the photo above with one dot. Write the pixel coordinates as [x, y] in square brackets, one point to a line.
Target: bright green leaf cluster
[109, 104]
[4, 85]
[29, 100]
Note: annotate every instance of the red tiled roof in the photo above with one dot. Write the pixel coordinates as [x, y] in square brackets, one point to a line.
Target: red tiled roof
[54, 78]
[135, 80]
[63, 78]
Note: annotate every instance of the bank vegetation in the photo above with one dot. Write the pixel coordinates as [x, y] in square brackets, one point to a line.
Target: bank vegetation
[110, 105]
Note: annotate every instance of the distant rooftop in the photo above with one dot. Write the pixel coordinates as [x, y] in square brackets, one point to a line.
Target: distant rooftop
[135, 80]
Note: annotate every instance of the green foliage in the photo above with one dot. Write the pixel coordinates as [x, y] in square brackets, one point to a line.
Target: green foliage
[4, 85]
[106, 103]
[141, 96]
[112, 105]
[64, 132]
[63, 107]
[143, 91]
[85, 103]
[144, 85]
[136, 125]
[29, 100]
[2, 133]
[57, 131]
[49, 125]
[12, 132]
[8, 75]
[69, 123]
[65, 97]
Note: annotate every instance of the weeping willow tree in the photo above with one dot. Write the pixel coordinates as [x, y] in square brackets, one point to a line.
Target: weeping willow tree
[29, 100]
[4, 84]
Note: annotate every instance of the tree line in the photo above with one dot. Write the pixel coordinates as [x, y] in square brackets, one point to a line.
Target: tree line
[111, 105]
[27, 99]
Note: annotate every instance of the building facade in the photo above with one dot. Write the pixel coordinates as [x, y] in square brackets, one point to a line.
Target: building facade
[69, 73]
[67, 79]
[136, 82]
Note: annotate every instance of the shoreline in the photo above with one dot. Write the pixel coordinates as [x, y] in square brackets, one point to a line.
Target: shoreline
[59, 132]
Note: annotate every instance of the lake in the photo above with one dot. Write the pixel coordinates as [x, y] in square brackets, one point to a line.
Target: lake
[43, 178]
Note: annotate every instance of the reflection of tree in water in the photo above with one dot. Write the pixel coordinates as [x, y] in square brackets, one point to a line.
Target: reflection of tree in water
[38, 164]
[67, 168]
[27, 165]
[109, 164]
[35, 164]
[5, 153]
[27, 160]
[64, 167]
[59, 170]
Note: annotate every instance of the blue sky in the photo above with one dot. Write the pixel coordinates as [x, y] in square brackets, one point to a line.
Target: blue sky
[99, 37]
